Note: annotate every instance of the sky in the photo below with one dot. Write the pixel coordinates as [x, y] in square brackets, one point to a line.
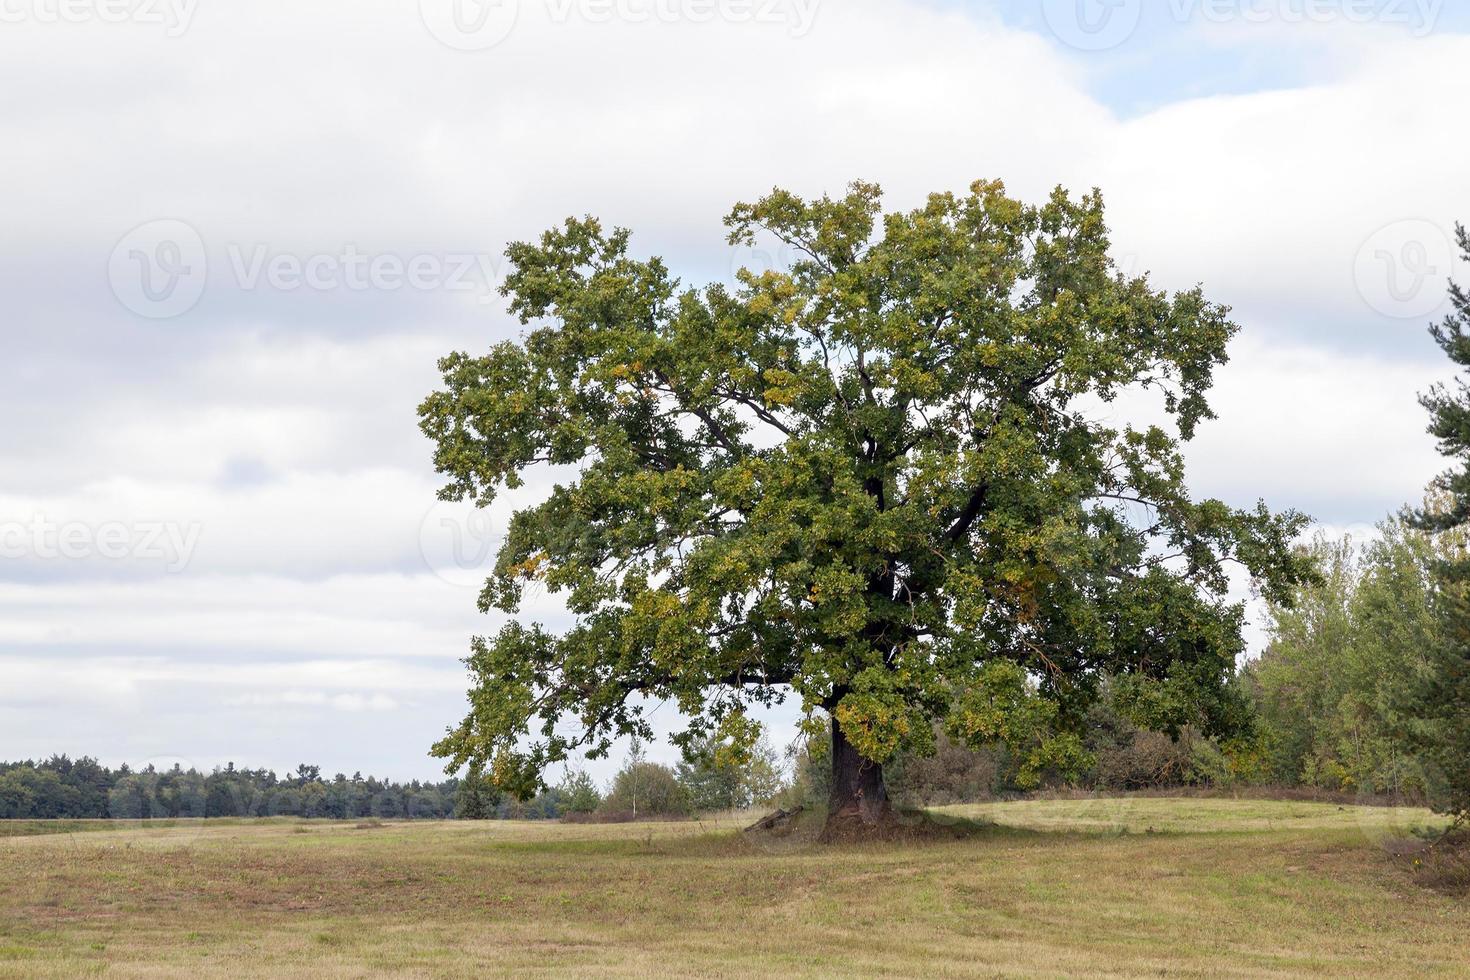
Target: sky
[236, 238]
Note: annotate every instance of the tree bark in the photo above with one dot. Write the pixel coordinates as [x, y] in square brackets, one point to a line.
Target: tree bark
[859, 798]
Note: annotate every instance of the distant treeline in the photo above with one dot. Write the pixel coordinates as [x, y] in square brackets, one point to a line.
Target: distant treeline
[63, 788]
[84, 789]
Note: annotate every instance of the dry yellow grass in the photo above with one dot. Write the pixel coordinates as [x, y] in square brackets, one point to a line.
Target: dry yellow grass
[1058, 888]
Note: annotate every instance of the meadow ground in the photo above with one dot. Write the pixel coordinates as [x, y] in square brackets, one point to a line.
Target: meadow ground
[1098, 887]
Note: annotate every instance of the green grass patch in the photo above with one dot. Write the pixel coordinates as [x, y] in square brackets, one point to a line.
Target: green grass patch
[1109, 887]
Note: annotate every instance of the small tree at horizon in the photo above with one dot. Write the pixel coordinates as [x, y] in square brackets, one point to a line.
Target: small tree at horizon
[580, 793]
[718, 776]
[476, 798]
[882, 482]
[646, 789]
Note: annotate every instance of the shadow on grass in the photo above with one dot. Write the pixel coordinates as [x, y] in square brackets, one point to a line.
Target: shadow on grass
[699, 839]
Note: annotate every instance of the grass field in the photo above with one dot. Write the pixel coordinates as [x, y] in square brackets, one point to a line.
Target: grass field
[1100, 887]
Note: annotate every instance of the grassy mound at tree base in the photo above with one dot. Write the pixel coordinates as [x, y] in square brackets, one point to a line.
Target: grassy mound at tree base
[811, 826]
[1442, 864]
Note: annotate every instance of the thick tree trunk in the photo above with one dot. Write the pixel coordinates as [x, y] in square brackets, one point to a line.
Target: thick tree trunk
[859, 799]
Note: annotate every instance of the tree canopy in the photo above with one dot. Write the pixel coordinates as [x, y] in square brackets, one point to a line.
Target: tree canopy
[1340, 677]
[886, 480]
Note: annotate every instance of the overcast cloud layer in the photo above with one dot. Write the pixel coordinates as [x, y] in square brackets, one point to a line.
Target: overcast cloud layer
[237, 236]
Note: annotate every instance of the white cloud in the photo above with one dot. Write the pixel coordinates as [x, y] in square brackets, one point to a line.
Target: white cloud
[224, 620]
[1268, 197]
[1336, 434]
[338, 702]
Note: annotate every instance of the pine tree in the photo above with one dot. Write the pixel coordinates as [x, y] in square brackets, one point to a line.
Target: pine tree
[1439, 712]
[477, 798]
[580, 793]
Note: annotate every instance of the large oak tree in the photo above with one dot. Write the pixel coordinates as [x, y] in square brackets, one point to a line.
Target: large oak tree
[887, 481]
